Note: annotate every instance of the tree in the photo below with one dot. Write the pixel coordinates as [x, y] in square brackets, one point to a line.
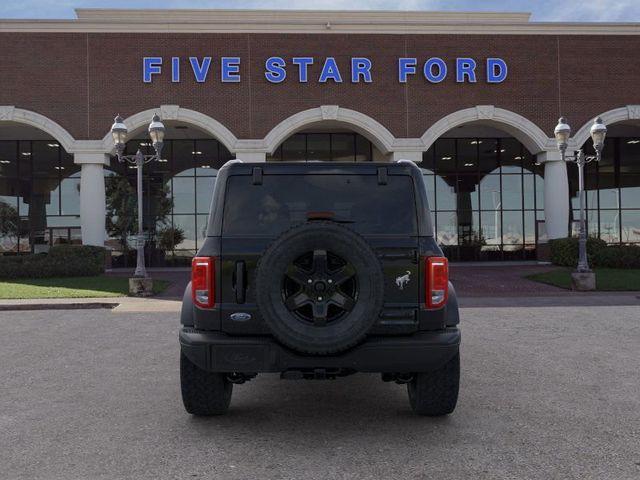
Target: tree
[122, 209]
[9, 221]
[169, 237]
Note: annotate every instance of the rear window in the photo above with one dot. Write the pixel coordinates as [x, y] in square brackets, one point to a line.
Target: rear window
[282, 201]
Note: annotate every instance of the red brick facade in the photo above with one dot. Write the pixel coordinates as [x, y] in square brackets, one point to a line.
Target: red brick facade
[80, 80]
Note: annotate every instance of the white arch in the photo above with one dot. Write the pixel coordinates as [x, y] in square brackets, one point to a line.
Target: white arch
[10, 113]
[529, 134]
[382, 138]
[630, 112]
[177, 113]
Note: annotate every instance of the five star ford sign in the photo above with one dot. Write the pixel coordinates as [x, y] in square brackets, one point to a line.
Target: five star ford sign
[361, 69]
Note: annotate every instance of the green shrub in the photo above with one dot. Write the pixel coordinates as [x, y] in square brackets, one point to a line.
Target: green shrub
[564, 251]
[618, 256]
[61, 261]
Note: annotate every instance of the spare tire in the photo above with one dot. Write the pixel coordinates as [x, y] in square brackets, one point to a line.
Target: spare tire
[319, 288]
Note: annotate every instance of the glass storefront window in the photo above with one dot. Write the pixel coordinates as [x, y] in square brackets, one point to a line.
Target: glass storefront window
[318, 147]
[488, 195]
[487, 158]
[512, 229]
[204, 193]
[530, 228]
[610, 226]
[70, 195]
[630, 224]
[188, 225]
[511, 155]
[490, 198]
[445, 198]
[294, 149]
[630, 191]
[182, 157]
[39, 195]
[186, 176]
[183, 195]
[529, 191]
[612, 188]
[445, 160]
[447, 228]
[343, 147]
[512, 192]
[8, 159]
[334, 147]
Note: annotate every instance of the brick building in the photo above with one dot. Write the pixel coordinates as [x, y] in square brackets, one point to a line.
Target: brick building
[473, 97]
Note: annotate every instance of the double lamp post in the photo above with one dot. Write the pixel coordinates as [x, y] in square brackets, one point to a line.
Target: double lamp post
[583, 278]
[140, 284]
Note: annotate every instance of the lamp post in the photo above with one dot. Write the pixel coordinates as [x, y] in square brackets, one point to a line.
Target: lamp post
[156, 132]
[598, 133]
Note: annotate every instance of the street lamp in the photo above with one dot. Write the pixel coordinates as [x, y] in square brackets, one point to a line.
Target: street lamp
[598, 133]
[119, 133]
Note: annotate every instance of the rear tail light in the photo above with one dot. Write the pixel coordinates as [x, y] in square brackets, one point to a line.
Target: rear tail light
[202, 281]
[436, 281]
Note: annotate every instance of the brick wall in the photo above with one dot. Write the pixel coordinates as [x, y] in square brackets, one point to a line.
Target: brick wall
[82, 80]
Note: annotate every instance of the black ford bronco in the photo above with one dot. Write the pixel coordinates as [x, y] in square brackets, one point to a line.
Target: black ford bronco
[317, 271]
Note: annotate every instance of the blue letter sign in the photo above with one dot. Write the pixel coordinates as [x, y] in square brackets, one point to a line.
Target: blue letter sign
[275, 69]
[200, 71]
[360, 67]
[496, 70]
[442, 70]
[151, 66]
[175, 69]
[303, 67]
[465, 67]
[330, 71]
[406, 66]
[434, 69]
[230, 69]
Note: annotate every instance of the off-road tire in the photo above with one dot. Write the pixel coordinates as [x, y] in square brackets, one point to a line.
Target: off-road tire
[346, 244]
[203, 393]
[436, 393]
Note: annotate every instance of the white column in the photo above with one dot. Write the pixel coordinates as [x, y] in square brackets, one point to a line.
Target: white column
[556, 194]
[92, 197]
[406, 155]
[252, 156]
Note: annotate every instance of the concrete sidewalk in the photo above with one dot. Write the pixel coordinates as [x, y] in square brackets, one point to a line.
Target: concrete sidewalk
[116, 304]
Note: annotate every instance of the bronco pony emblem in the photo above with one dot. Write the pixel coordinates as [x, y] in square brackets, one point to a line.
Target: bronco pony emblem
[402, 281]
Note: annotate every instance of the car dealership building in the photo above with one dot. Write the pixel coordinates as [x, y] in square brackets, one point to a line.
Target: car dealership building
[473, 97]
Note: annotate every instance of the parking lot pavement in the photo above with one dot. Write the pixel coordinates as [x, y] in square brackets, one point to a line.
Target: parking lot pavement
[546, 393]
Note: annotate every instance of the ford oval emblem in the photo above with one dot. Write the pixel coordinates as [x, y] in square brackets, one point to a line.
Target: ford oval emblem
[240, 317]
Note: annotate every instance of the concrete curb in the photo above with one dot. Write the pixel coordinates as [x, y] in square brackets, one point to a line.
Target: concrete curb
[57, 306]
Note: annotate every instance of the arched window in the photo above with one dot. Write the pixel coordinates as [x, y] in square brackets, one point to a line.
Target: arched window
[39, 194]
[487, 196]
[177, 196]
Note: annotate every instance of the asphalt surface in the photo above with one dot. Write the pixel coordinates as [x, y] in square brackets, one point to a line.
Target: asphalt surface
[546, 393]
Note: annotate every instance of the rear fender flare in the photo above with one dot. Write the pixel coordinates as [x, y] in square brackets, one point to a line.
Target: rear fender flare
[187, 312]
[452, 314]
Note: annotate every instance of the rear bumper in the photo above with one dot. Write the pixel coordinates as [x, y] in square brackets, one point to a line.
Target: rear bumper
[421, 352]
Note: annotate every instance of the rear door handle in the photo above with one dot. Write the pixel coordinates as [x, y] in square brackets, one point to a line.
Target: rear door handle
[240, 282]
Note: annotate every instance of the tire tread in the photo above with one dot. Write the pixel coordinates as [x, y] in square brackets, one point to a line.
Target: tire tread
[203, 393]
[436, 393]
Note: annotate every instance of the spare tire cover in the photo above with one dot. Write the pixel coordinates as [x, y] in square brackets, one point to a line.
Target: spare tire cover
[319, 288]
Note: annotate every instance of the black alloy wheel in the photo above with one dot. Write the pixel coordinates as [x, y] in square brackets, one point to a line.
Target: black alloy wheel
[320, 287]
